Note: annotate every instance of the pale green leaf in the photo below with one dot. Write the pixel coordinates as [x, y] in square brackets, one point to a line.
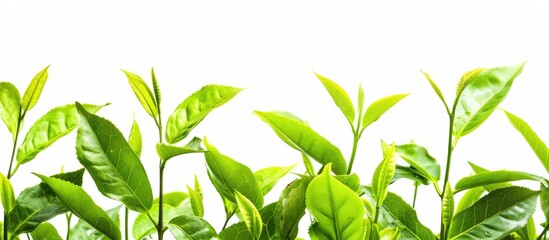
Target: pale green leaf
[360, 100]
[34, 90]
[469, 198]
[45, 231]
[340, 97]
[228, 175]
[115, 168]
[437, 90]
[10, 105]
[447, 206]
[268, 177]
[379, 107]
[6, 193]
[53, 125]
[301, 137]
[156, 90]
[195, 108]
[308, 164]
[237, 231]
[383, 175]
[532, 138]
[143, 93]
[291, 208]
[419, 158]
[173, 199]
[489, 187]
[82, 205]
[191, 228]
[143, 227]
[166, 152]
[134, 140]
[196, 202]
[337, 209]
[411, 173]
[481, 97]
[495, 215]
[495, 177]
[249, 214]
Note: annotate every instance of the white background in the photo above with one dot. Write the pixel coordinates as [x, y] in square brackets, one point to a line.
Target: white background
[271, 49]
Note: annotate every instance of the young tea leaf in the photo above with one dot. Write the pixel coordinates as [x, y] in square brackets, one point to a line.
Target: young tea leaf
[532, 138]
[249, 214]
[301, 137]
[496, 215]
[340, 97]
[447, 206]
[383, 175]
[495, 177]
[156, 89]
[291, 208]
[437, 90]
[55, 124]
[6, 193]
[268, 177]
[360, 101]
[34, 90]
[379, 107]
[481, 97]
[196, 202]
[228, 175]
[81, 204]
[195, 108]
[134, 140]
[166, 152]
[337, 209]
[113, 165]
[143, 93]
[308, 165]
[38, 204]
[10, 105]
[46, 231]
[191, 228]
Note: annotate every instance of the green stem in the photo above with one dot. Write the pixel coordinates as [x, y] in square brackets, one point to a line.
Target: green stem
[10, 174]
[160, 226]
[5, 225]
[542, 235]
[450, 148]
[353, 153]
[126, 214]
[415, 194]
[227, 220]
[69, 216]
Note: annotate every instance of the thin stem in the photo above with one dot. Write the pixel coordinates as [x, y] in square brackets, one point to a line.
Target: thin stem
[542, 235]
[69, 216]
[5, 225]
[126, 214]
[415, 195]
[10, 174]
[378, 208]
[353, 153]
[227, 220]
[160, 226]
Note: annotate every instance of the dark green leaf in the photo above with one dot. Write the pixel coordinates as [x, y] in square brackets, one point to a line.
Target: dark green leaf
[269, 222]
[532, 138]
[379, 107]
[480, 97]
[337, 209]
[228, 175]
[55, 124]
[143, 227]
[134, 140]
[191, 228]
[495, 177]
[304, 139]
[237, 231]
[544, 201]
[340, 97]
[6, 193]
[113, 165]
[383, 175]
[81, 204]
[143, 93]
[195, 108]
[10, 104]
[406, 219]
[291, 208]
[469, 198]
[496, 215]
[250, 215]
[409, 173]
[32, 94]
[83, 231]
[45, 231]
[165, 152]
[38, 204]
[268, 177]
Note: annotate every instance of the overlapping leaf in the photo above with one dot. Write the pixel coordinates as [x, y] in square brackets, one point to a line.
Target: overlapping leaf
[10, 105]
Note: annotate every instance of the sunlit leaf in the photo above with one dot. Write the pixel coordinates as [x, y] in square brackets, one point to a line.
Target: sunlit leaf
[6, 193]
[10, 105]
[249, 214]
[291, 208]
[340, 97]
[34, 90]
[143, 93]
[83, 231]
[143, 227]
[268, 177]
[379, 107]
[45, 231]
[166, 152]
[436, 89]
[134, 140]
[406, 219]
[495, 177]
[383, 175]
[196, 202]
[191, 228]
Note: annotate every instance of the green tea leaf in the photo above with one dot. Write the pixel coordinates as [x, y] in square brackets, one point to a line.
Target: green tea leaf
[113, 165]
[447, 206]
[351, 181]
[337, 209]
[143, 93]
[360, 101]
[268, 214]
[34, 90]
[383, 175]
[469, 198]
[304, 139]
[496, 215]
[38, 204]
[196, 202]
[81, 204]
[494, 177]
[418, 157]
[6, 193]
[268, 177]
[544, 201]
[409, 173]
[481, 97]
[489, 187]
[55, 124]
[191, 228]
[156, 89]
[437, 90]
[173, 199]
[83, 231]
[250, 215]
[143, 227]
[389, 234]
[166, 152]
[406, 219]
[340, 97]
[308, 164]
[291, 208]
[10, 105]
[379, 107]
[237, 231]
[134, 140]
[195, 108]
[45, 231]
[532, 138]
[228, 175]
